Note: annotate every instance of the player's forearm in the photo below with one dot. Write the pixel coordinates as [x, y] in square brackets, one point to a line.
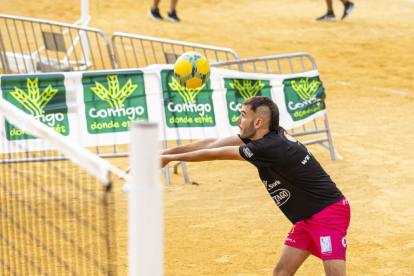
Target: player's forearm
[194, 156]
[199, 145]
[210, 143]
[223, 153]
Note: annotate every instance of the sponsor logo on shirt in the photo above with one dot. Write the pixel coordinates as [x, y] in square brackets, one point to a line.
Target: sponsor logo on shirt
[345, 202]
[307, 157]
[326, 245]
[281, 196]
[290, 240]
[344, 242]
[274, 184]
[247, 152]
[290, 138]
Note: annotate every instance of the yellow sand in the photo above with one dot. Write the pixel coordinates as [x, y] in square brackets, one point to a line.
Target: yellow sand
[228, 225]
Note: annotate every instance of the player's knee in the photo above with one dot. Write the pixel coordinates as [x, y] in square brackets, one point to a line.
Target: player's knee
[281, 270]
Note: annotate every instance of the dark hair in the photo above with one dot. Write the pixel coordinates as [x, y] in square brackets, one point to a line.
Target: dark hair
[257, 101]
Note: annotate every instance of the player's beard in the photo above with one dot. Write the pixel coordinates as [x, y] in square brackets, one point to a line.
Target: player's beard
[249, 132]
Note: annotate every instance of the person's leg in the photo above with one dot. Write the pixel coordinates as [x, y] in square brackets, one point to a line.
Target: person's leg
[156, 2]
[329, 16]
[329, 5]
[154, 12]
[173, 4]
[335, 267]
[289, 261]
[172, 14]
[348, 8]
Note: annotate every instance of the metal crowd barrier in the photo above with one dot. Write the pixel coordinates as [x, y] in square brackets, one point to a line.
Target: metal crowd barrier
[29, 45]
[288, 64]
[137, 51]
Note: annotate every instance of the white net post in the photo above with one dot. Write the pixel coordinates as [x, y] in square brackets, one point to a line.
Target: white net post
[145, 204]
[85, 17]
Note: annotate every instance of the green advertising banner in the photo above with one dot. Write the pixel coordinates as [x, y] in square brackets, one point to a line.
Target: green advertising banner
[104, 104]
[186, 107]
[42, 96]
[239, 90]
[114, 100]
[304, 97]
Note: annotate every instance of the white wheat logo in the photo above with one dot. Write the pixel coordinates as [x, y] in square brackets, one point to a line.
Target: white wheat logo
[113, 95]
[247, 90]
[188, 94]
[34, 101]
[306, 90]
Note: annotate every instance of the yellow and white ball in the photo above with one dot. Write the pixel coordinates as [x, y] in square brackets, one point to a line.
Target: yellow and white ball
[192, 70]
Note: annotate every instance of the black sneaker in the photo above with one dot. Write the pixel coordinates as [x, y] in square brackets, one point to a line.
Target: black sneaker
[327, 17]
[349, 7]
[154, 13]
[172, 16]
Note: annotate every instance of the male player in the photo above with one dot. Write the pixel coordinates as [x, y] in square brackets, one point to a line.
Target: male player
[305, 193]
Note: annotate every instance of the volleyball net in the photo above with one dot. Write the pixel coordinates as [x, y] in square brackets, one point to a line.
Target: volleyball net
[57, 214]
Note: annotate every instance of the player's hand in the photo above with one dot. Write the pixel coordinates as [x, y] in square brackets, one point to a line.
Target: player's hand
[164, 160]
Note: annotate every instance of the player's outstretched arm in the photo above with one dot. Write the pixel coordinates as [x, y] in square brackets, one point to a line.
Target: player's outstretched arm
[221, 153]
[209, 143]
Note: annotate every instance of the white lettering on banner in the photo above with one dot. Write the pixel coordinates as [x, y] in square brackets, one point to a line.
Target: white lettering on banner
[118, 112]
[201, 108]
[282, 195]
[235, 107]
[50, 119]
[301, 105]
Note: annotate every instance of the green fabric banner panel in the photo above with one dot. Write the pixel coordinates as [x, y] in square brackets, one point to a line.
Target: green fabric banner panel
[304, 97]
[239, 90]
[113, 100]
[42, 96]
[186, 107]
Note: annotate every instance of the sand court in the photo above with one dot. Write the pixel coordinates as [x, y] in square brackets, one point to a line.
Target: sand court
[228, 225]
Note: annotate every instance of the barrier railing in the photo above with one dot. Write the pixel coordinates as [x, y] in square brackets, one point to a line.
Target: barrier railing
[29, 45]
[278, 64]
[288, 64]
[137, 51]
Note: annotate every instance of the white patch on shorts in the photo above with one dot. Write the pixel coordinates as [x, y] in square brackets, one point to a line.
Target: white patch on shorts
[344, 242]
[326, 245]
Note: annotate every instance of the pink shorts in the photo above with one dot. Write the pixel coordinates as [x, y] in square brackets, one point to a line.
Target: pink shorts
[323, 234]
